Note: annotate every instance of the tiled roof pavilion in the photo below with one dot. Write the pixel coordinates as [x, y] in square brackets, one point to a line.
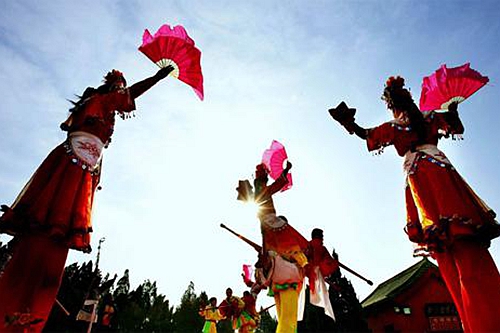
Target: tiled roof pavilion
[399, 283]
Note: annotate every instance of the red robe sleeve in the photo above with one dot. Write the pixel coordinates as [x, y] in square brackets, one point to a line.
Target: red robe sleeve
[277, 185]
[319, 256]
[447, 123]
[380, 136]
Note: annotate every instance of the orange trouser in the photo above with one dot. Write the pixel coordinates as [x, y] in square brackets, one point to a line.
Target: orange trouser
[31, 280]
[474, 284]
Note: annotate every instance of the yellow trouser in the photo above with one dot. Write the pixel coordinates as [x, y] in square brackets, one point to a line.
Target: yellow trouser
[286, 308]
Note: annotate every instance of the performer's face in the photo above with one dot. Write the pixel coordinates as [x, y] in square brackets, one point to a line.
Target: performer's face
[119, 83]
[229, 292]
[397, 113]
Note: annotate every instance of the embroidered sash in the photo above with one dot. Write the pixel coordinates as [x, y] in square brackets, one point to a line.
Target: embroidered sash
[87, 148]
[431, 151]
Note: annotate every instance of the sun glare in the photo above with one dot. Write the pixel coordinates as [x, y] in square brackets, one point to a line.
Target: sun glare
[251, 208]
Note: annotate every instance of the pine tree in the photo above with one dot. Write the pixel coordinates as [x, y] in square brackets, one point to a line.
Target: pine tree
[161, 316]
[77, 285]
[186, 316]
[123, 285]
[345, 303]
[143, 309]
[267, 323]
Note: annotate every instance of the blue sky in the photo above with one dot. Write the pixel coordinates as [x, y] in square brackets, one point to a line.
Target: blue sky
[271, 72]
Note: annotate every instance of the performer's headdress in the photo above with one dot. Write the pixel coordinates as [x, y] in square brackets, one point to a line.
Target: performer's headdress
[261, 167]
[114, 76]
[398, 97]
[261, 171]
[395, 95]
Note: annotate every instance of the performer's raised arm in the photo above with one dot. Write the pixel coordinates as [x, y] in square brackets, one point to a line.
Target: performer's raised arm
[453, 119]
[279, 183]
[137, 89]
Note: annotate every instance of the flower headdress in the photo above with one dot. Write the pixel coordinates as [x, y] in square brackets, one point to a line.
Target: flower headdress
[399, 98]
[395, 95]
[109, 81]
[261, 173]
[114, 76]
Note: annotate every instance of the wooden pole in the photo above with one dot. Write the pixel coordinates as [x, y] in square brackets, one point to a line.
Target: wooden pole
[258, 248]
[66, 312]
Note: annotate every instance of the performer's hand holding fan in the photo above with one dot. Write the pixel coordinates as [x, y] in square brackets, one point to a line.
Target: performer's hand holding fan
[275, 159]
[448, 85]
[173, 46]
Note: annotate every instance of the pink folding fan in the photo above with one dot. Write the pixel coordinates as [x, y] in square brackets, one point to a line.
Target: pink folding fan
[248, 272]
[275, 159]
[173, 46]
[447, 85]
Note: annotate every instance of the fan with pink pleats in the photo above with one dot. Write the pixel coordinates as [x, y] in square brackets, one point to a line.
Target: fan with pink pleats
[248, 272]
[275, 159]
[447, 85]
[173, 46]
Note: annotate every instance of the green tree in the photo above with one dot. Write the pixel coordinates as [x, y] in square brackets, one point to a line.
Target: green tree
[140, 310]
[143, 309]
[160, 316]
[123, 285]
[267, 323]
[78, 284]
[345, 303]
[186, 316]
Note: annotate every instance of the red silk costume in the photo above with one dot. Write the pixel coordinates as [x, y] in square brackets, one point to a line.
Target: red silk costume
[231, 308]
[321, 265]
[58, 198]
[440, 205]
[319, 256]
[446, 218]
[53, 211]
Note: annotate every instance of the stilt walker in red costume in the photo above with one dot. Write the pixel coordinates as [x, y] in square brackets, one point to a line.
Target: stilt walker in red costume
[444, 216]
[52, 214]
[277, 234]
[284, 245]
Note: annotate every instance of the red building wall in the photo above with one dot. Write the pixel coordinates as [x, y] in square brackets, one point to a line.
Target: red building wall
[428, 290]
